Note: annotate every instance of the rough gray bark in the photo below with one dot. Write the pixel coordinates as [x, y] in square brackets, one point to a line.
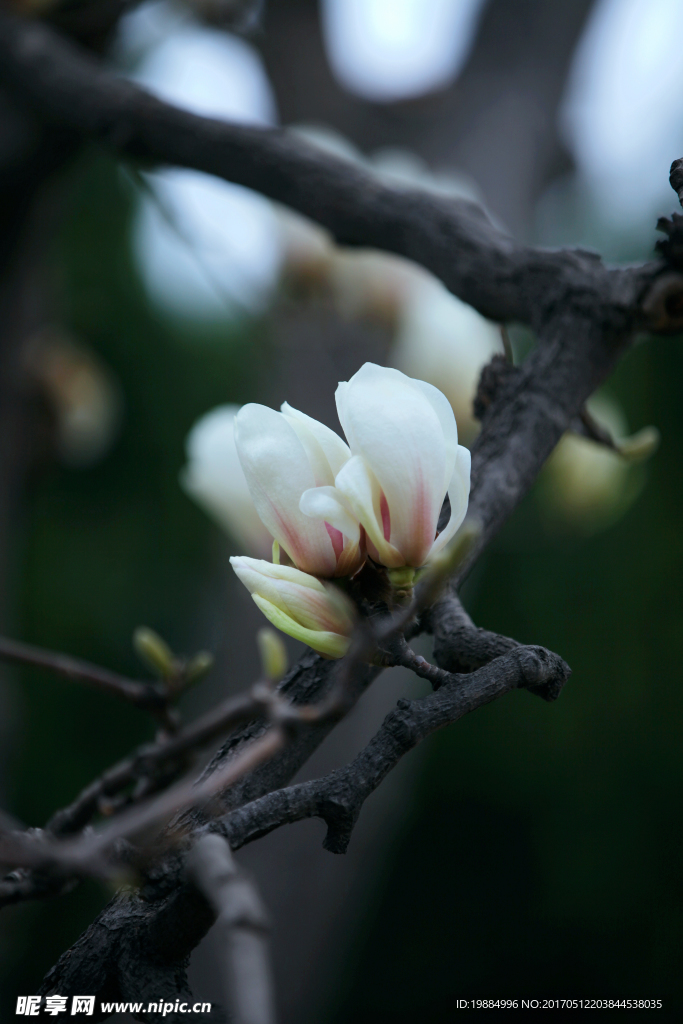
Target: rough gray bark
[339, 797]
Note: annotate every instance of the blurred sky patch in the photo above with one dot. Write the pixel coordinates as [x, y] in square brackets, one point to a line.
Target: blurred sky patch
[623, 115]
[394, 49]
[205, 248]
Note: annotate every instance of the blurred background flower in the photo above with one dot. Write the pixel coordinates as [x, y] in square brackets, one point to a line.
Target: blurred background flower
[585, 485]
[214, 477]
[205, 248]
[81, 392]
[447, 343]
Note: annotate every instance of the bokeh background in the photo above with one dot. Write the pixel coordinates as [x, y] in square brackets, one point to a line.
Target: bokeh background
[532, 849]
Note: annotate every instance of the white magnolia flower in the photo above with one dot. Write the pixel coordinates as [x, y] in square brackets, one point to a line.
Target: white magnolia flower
[215, 479]
[284, 454]
[405, 457]
[299, 604]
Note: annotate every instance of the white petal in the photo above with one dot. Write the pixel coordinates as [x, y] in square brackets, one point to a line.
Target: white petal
[393, 425]
[442, 408]
[215, 479]
[360, 491]
[458, 494]
[340, 401]
[246, 568]
[336, 452]
[327, 504]
[320, 467]
[278, 471]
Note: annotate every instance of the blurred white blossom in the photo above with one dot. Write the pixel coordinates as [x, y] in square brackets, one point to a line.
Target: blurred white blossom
[215, 479]
[205, 248]
[624, 105]
[83, 394]
[446, 342]
[392, 49]
[586, 485]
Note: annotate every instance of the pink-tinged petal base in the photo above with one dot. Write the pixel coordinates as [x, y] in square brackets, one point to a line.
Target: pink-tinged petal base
[337, 538]
[398, 428]
[386, 517]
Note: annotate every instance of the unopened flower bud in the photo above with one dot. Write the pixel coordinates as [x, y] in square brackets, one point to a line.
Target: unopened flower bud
[641, 446]
[273, 654]
[299, 604]
[199, 666]
[154, 651]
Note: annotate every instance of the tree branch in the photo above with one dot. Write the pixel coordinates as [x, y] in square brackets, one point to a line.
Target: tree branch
[56, 863]
[459, 645]
[148, 696]
[338, 797]
[676, 179]
[453, 238]
[166, 757]
[243, 924]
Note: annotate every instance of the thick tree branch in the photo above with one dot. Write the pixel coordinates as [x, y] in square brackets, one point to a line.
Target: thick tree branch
[452, 238]
[676, 179]
[459, 645]
[338, 797]
[503, 101]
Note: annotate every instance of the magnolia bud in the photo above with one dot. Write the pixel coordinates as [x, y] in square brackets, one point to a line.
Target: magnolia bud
[299, 604]
[154, 651]
[199, 666]
[273, 654]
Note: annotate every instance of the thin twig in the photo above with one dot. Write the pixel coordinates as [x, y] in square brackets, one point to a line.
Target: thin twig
[148, 696]
[148, 760]
[90, 854]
